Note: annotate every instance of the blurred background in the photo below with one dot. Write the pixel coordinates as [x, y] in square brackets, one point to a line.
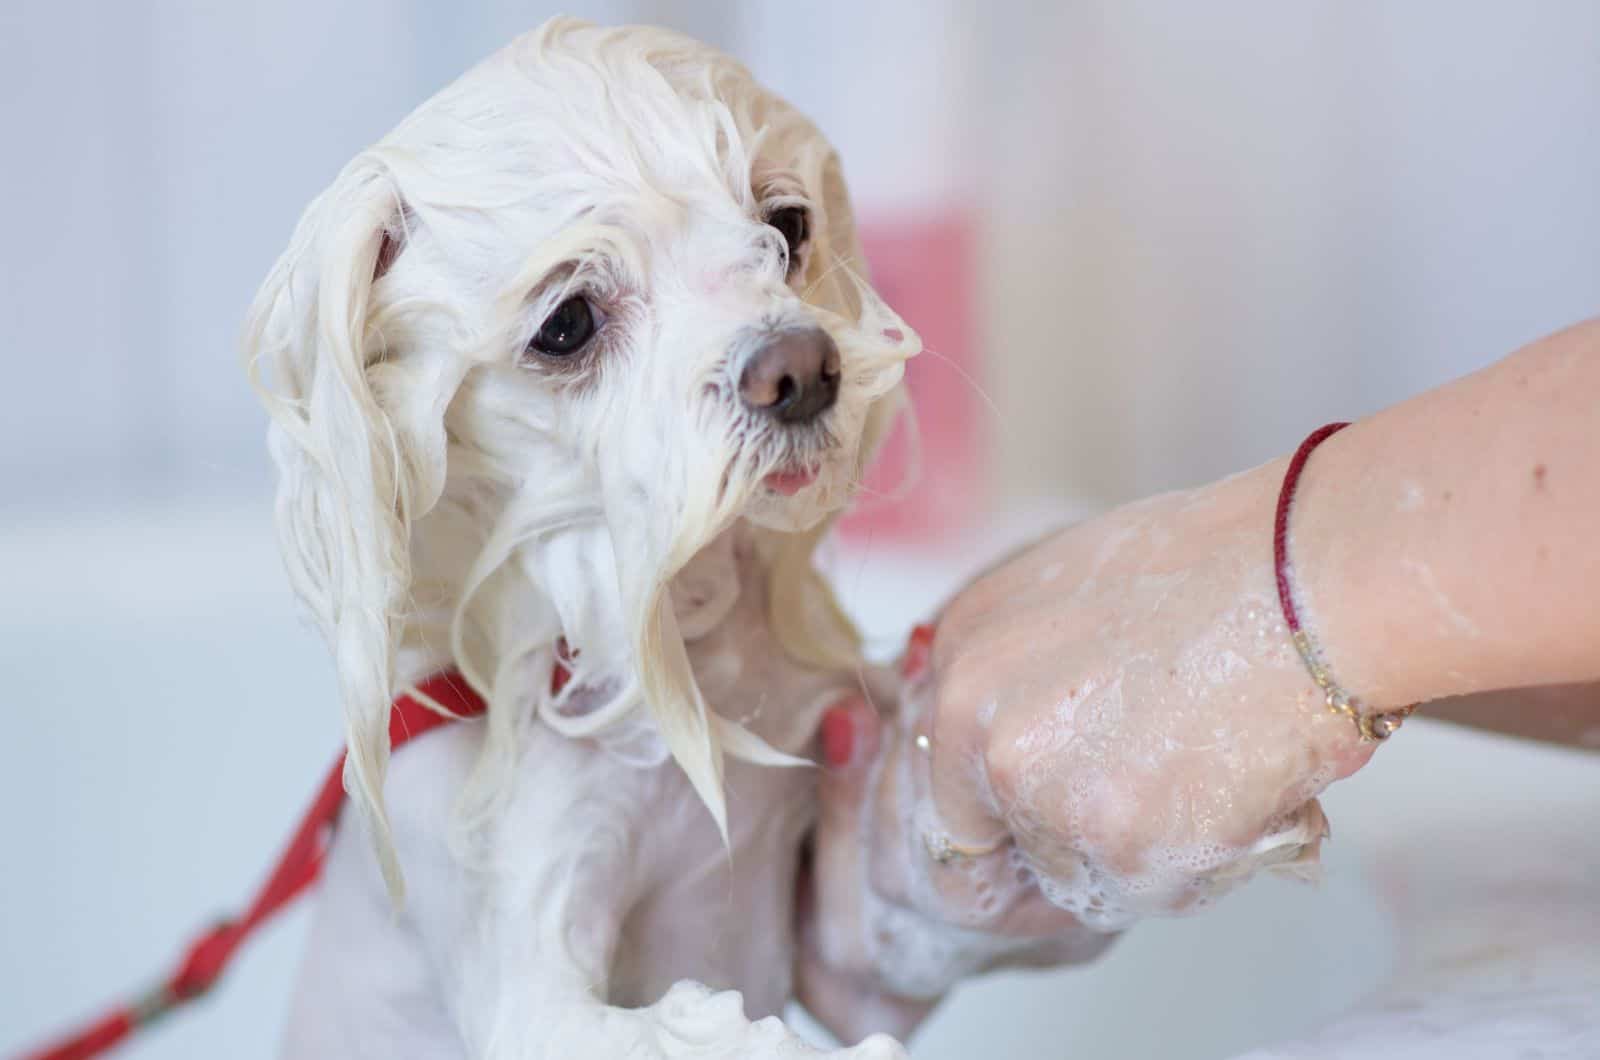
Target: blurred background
[1147, 243]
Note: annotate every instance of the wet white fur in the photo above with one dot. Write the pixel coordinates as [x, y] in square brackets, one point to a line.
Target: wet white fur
[601, 900]
[445, 499]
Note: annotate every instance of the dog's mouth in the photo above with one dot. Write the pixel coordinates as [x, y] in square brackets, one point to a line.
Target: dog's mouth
[791, 479]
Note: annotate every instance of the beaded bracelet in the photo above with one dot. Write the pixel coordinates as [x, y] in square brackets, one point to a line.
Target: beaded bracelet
[1378, 725]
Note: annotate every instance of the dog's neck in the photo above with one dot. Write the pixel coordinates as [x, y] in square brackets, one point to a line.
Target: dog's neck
[708, 588]
[723, 601]
[720, 600]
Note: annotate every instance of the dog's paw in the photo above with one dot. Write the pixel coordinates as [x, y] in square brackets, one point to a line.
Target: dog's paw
[692, 1020]
[877, 1047]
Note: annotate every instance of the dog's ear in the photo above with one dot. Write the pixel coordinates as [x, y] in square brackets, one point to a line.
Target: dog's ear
[842, 268]
[838, 261]
[848, 294]
[844, 244]
[348, 477]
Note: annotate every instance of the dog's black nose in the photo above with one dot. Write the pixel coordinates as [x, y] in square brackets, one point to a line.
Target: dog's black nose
[792, 376]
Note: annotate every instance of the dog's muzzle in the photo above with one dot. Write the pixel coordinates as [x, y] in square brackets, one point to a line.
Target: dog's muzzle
[791, 375]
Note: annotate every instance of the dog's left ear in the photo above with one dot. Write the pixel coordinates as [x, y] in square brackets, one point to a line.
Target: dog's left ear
[842, 268]
[847, 292]
[353, 474]
[837, 261]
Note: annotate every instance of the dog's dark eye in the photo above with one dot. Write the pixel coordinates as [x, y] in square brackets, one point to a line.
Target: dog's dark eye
[565, 331]
[794, 225]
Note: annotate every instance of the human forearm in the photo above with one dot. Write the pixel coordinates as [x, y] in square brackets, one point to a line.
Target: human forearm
[1447, 545]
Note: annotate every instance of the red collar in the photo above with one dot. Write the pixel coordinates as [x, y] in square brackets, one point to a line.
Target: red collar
[411, 718]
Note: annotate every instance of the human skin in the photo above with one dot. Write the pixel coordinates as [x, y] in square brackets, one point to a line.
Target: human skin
[1118, 709]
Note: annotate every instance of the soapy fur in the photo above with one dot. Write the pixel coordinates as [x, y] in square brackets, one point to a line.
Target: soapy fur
[448, 498]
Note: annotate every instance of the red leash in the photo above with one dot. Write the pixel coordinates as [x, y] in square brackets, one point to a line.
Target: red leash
[296, 870]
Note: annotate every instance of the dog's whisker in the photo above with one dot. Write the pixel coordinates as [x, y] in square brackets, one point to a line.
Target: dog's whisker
[839, 263]
[966, 377]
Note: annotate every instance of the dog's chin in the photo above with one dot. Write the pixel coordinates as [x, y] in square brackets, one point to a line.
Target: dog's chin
[795, 497]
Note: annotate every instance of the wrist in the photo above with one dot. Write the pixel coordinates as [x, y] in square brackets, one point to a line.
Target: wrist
[1368, 597]
[1231, 524]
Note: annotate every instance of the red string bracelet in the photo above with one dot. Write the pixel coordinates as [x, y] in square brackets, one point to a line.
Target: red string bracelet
[1372, 725]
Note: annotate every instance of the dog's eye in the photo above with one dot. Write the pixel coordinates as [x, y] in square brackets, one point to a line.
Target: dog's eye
[793, 223]
[565, 331]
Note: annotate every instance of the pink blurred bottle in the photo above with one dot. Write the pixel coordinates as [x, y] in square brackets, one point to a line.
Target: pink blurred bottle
[928, 479]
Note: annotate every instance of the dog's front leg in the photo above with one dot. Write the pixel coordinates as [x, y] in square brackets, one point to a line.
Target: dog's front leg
[535, 982]
[523, 936]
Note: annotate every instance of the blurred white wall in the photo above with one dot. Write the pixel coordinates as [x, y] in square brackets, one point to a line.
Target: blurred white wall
[158, 154]
[1214, 227]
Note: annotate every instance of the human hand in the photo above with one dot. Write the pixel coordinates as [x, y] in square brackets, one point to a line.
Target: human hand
[1112, 724]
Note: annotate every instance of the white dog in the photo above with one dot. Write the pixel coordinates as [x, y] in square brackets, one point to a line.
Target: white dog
[579, 354]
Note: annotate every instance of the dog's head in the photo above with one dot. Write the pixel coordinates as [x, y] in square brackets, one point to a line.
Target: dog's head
[578, 314]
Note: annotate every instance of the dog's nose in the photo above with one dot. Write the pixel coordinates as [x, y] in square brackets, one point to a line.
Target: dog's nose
[792, 376]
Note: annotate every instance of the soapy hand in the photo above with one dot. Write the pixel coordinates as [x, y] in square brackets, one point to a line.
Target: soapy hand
[1112, 724]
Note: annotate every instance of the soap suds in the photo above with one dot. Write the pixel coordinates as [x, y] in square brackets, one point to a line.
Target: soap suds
[1457, 620]
[1411, 497]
